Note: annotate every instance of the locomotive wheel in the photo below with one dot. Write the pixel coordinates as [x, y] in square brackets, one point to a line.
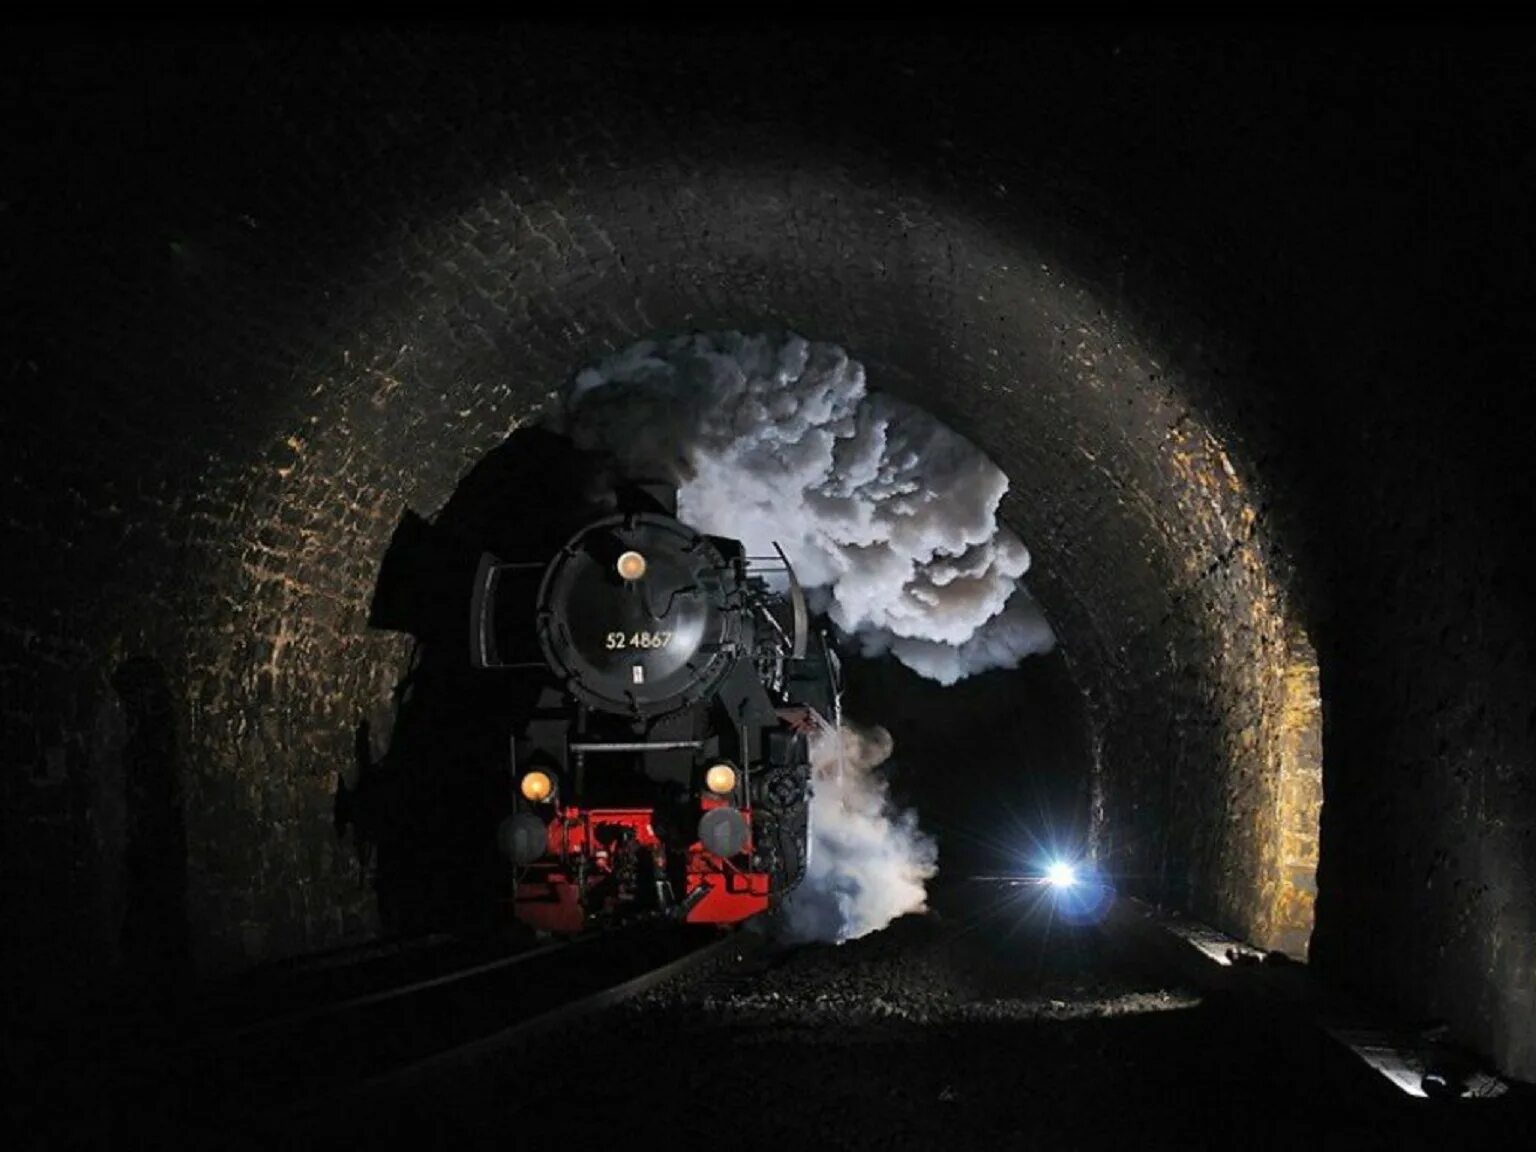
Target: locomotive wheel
[783, 835]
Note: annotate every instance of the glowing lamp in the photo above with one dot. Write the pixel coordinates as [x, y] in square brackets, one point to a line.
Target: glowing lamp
[1061, 875]
[720, 779]
[538, 787]
[631, 565]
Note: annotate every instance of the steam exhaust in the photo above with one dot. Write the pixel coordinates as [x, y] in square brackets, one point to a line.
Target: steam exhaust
[890, 519]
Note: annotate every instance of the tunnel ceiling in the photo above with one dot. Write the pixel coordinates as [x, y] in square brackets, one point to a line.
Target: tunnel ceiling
[489, 230]
[291, 287]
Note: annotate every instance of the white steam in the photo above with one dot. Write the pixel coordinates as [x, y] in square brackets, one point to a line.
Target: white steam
[869, 861]
[890, 520]
[886, 511]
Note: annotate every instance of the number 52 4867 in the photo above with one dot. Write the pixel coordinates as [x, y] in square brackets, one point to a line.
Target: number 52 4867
[638, 639]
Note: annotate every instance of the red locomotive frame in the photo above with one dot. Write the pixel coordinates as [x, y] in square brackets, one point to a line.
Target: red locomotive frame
[549, 897]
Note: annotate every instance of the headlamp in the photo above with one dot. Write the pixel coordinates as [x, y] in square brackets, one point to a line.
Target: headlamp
[720, 779]
[538, 787]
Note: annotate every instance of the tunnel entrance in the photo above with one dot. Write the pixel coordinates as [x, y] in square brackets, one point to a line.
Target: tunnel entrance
[1204, 715]
[1191, 765]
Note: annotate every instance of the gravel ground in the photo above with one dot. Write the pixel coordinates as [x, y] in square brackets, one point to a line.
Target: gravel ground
[976, 1024]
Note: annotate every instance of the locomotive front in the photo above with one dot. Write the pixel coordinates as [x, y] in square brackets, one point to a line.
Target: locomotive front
[664, 769]
[640, 615]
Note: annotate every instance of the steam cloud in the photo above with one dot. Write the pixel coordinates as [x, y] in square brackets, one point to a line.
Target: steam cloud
[886, 512]
[890, 519]
[869, 861]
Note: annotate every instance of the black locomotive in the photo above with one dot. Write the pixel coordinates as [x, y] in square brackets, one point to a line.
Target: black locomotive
[663, 765]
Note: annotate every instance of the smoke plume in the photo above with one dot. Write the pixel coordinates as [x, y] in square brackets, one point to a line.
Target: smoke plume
[869, 860]
[890, 520]
[888, 513]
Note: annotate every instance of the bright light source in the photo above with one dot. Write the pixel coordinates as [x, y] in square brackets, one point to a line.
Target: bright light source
[631, 565]
[1061, 875]
[537, 786]
[720, 779]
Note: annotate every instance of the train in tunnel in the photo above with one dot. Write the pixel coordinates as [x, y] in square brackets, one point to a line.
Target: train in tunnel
[662, 765]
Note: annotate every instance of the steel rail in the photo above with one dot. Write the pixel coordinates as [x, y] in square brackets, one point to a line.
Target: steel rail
[335, 1008]
[515, 1034]
[504, 1039]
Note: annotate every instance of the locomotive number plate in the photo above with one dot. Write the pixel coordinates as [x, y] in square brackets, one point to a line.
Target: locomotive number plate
[638, 639]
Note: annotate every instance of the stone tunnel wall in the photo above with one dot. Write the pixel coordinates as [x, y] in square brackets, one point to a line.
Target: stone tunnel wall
[1231, 683]
[260, 304]
[446, 323]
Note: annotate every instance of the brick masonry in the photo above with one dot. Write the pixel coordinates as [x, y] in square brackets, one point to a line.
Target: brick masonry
[262, 295]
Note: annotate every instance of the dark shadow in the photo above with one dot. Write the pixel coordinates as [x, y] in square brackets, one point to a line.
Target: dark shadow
[997, 765]
[153, 941]
[424, 814]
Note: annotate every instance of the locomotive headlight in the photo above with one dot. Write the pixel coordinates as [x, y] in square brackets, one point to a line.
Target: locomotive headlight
[720, 779]
[538, 787]
[631, 565]
[1061, 874]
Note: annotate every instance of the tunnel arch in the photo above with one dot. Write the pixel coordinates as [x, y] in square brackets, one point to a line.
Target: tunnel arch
[213, 281]
[1151, 555]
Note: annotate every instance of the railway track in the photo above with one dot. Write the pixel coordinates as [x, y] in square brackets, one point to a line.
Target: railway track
[253, 1082]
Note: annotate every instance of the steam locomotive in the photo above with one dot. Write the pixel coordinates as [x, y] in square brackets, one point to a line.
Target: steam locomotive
[663, 766]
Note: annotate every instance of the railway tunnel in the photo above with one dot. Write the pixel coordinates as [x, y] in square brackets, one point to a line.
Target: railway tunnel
[1245, 321]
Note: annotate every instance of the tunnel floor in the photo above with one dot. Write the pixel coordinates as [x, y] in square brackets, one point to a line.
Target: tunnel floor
[976, 1024]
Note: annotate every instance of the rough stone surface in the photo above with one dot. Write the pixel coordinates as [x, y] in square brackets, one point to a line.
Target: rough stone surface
[1240, 322]
[976, 1026]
